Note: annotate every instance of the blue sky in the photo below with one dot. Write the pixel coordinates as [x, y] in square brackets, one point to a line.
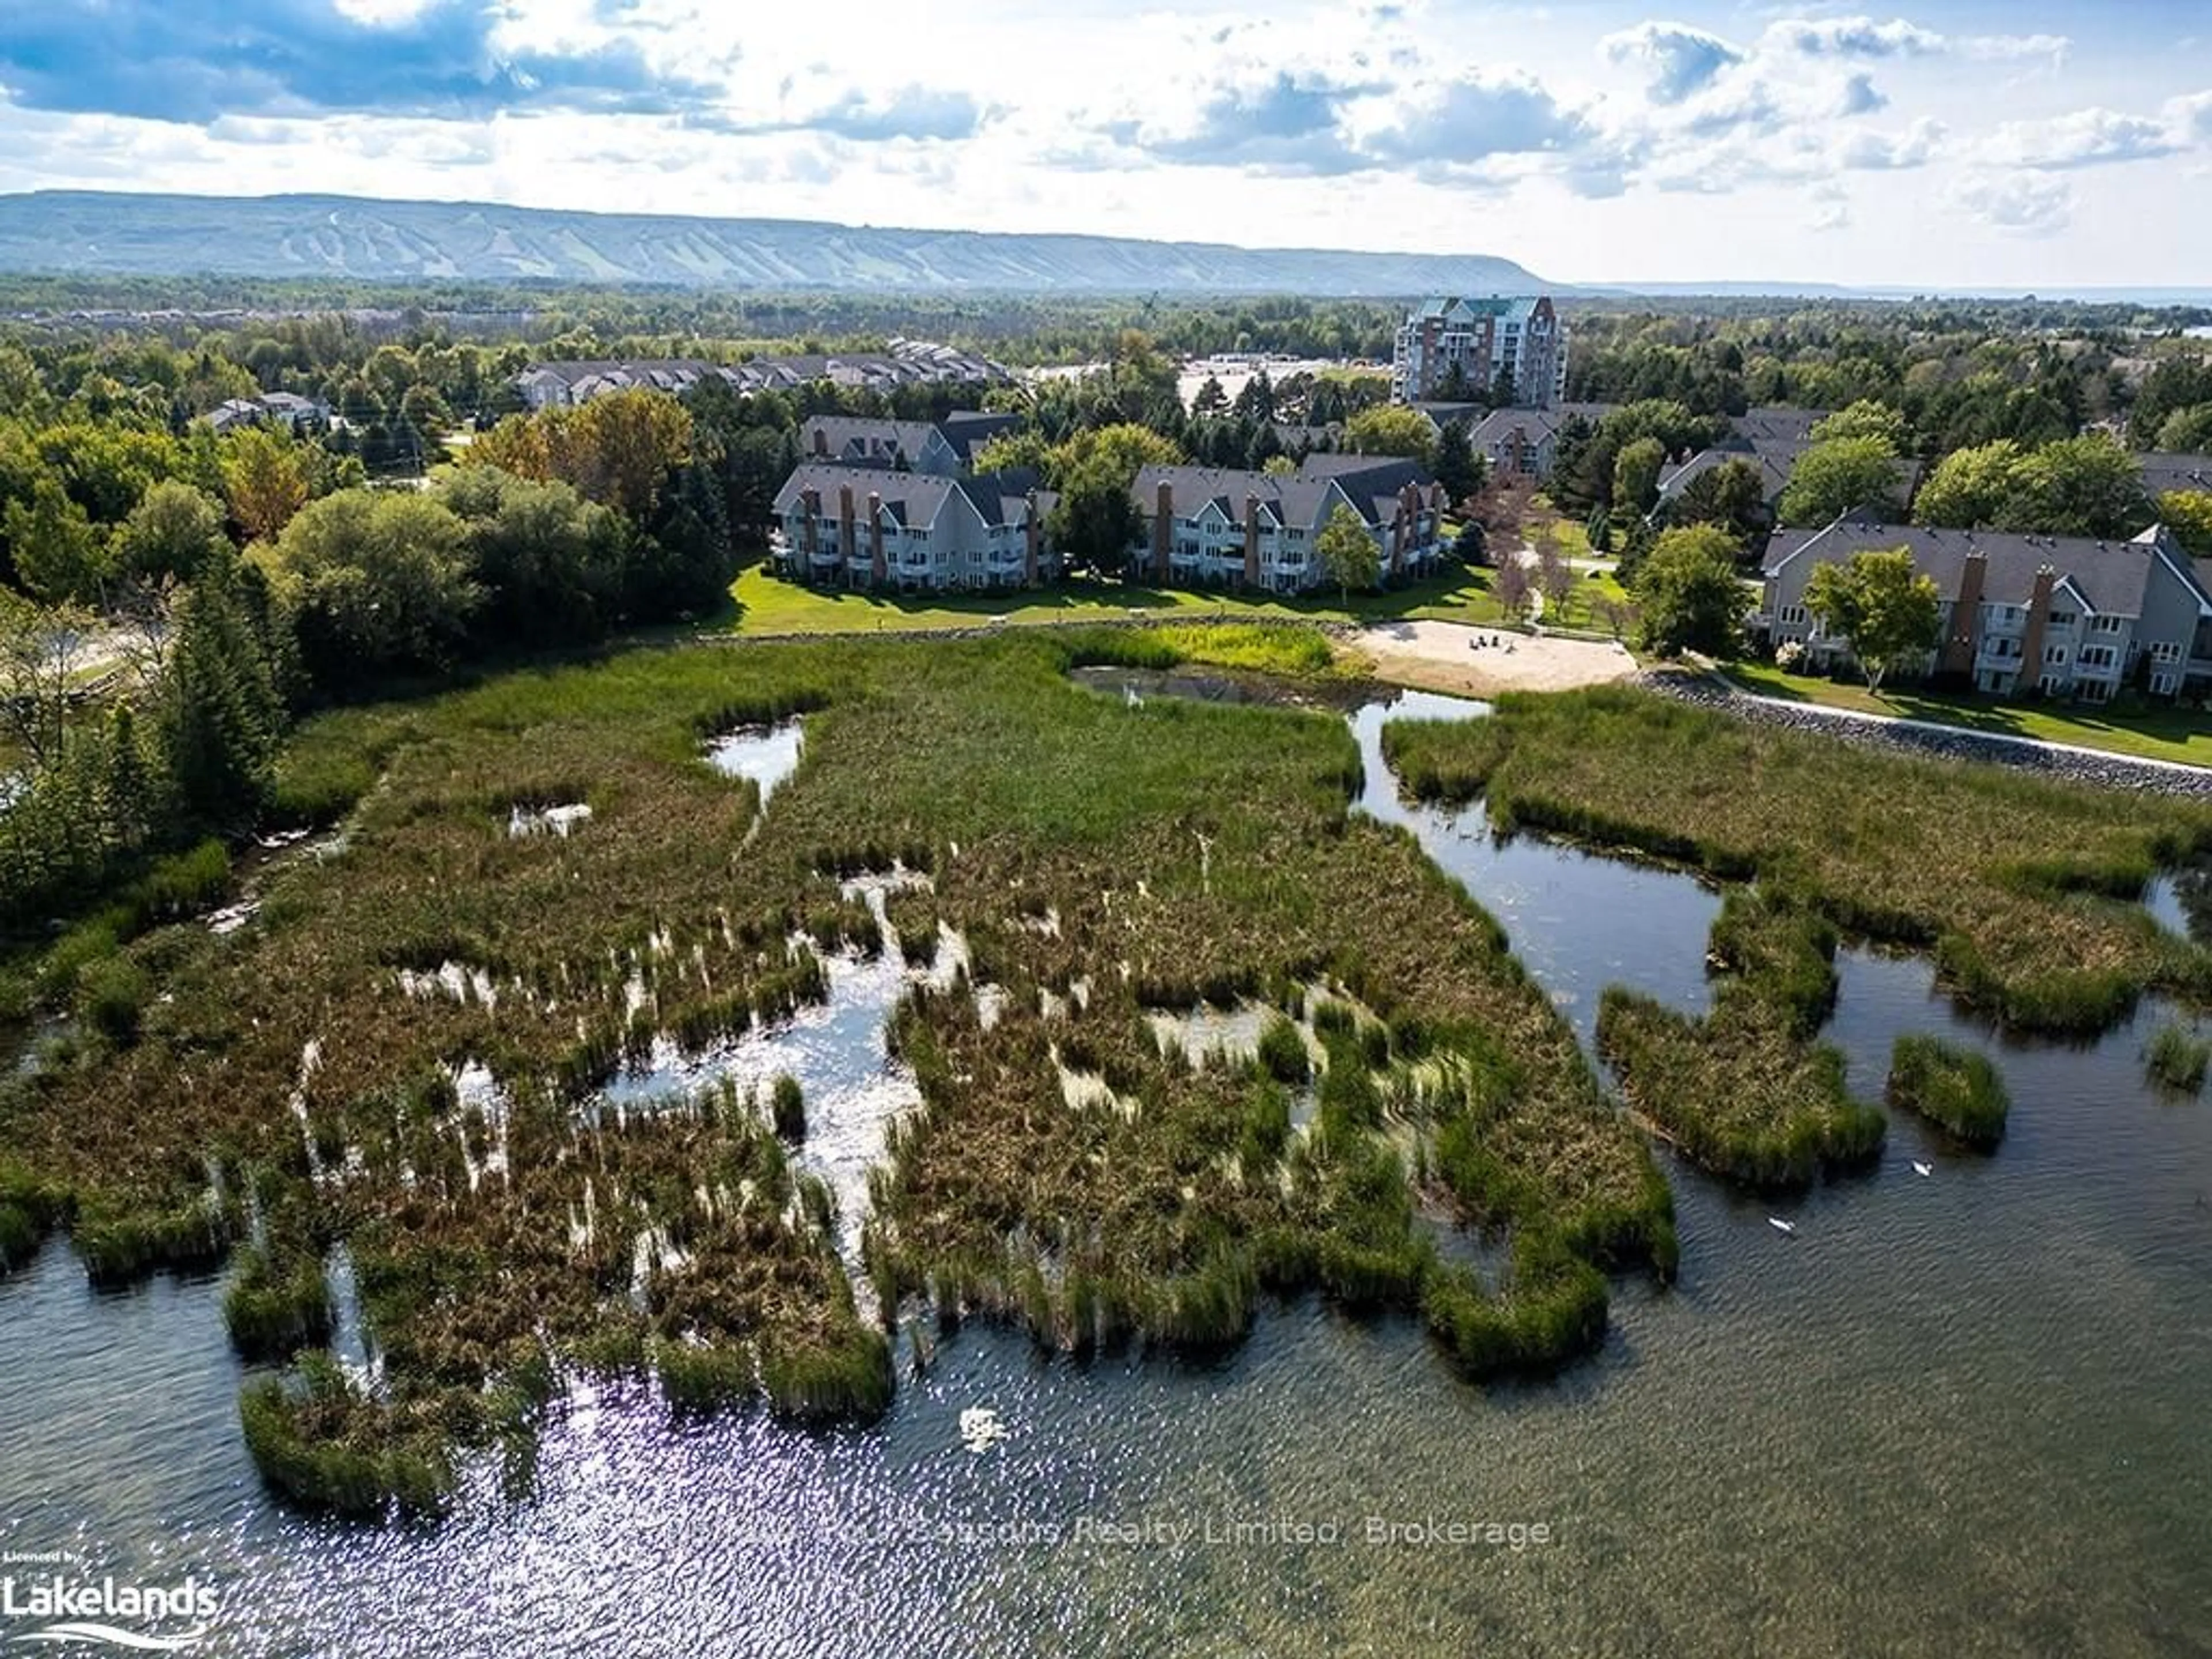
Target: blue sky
[1958, 142]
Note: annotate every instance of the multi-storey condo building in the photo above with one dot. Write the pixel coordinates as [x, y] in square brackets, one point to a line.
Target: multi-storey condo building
[1460, 348]
[1214, 526]
[871, 526]
[2056, 616]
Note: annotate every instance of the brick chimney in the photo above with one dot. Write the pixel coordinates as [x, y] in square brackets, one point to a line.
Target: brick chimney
[1163, 529]
[821, 442]
[875, 538]
[810, 538]
[1966, 633]
[1032, 540]
[2031, 642]
[1251, 540]
[848, 546]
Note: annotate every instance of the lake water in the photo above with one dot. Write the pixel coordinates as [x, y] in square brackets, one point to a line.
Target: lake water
[1962, 1413]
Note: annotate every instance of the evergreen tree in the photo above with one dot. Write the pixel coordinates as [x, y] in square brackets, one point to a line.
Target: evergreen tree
[130, 790]
[1457, 470]
[220, 714]
[1599, 529]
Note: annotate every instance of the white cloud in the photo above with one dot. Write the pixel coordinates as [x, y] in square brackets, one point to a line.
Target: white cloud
[1681, 60]
[1880, 152]
[2028, 202]
[1865, 38]
[2088, 137]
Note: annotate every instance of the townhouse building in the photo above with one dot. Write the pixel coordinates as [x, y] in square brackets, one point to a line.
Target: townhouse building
[2049, 616]
[945, 447]
[1222, 527]
[561, 385]
[841, 526]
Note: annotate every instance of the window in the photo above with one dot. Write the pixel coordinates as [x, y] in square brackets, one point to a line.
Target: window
[2111, 624]
[1793, 616]
[2165, 685]
[2063, 619]
[2099, 656]
[2165, 650]
[2094, 691]
[2054, 654]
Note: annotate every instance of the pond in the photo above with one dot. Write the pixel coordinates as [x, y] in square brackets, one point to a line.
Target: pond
[1961, 1413]
[768, 755]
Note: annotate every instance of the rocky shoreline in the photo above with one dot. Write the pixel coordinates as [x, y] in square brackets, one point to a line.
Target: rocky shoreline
[2075, 766]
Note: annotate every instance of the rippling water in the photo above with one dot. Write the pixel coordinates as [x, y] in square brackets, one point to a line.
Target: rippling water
[1962, 1413]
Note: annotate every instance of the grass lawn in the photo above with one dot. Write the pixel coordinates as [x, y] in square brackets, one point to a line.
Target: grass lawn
[767, 604]
[2166, 734]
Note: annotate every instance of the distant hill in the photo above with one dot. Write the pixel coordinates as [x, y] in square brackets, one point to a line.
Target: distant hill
[99, 233]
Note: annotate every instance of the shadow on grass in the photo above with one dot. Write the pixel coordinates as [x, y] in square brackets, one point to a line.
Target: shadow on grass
[1456, 590]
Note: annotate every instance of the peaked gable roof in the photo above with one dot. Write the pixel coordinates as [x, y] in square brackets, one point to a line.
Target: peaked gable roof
[2109, 577]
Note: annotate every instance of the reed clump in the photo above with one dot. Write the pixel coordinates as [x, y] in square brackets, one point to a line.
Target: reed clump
[278, 1302]
[1738, 1092]
[321, 1442]
[1953, 1087]
[2178, 1058]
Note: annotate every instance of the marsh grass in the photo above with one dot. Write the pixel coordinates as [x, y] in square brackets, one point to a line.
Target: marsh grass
[277, 1303]
[323, 1443]
[1953, 1087]
[2178, 1058]
[1187, 852]
[2023, 887]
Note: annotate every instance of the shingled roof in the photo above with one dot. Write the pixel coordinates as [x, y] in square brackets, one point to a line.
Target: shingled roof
[2109, 577]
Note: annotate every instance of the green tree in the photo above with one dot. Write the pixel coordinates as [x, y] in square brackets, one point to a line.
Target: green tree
[1636, 475]
[1879, 602]
[1831, 478]
[1094, 522]
[265, 479]
[172, 532]
[1392, 429]
[1970, 488]
[379, 583]
[551, 563]
[1210, 399]
[1688, 595]
[2187, 431]
[1598, 528]
[1458, 469]
[58, 554]
[2084, 486]
[220, 714]
[1865, 419]
[1010, 451]
[2188, 514]
[1348, 553]
[1732, 495]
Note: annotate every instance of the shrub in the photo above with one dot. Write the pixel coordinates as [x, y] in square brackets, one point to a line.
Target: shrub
[1951, 1087]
